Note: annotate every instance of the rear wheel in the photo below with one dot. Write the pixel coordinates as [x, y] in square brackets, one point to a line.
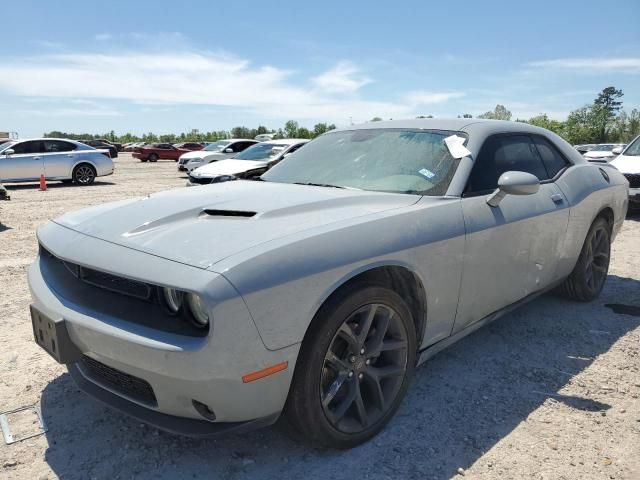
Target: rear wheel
[590, 273]
[84, 174]
[354, 367]
[153, 157]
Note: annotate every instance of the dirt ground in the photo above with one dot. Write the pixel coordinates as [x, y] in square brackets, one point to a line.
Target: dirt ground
[550, 391]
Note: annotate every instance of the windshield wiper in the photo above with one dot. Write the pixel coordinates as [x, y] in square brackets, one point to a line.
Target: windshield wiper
[318, 184]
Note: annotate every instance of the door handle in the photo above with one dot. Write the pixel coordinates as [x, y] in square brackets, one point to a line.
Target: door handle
[69, 155]
[37, 158]
[557, 198]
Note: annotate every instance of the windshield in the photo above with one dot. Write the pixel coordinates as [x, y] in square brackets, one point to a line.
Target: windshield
[632, 150]
[260, 151]
[602, 148]
[217, 146]
[5, 144]
[385, 160]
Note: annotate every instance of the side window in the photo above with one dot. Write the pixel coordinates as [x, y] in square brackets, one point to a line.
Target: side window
[33, 146]
[239, 146]
[502, 153]
[52, 146]
[553, 160]
[294, 148]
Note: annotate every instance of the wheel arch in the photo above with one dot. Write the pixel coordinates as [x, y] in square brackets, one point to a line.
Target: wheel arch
[608, 215]
[80, 162]
[396, 276]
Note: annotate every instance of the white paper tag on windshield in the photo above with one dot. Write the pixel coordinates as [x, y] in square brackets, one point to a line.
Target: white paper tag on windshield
[455, 145]
[426, 173]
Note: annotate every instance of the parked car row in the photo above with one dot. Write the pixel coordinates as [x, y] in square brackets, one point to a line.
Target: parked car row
[250, 163]
[213, 152]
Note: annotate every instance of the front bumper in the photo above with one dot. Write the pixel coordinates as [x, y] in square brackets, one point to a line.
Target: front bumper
[179, 369]
[169, 423]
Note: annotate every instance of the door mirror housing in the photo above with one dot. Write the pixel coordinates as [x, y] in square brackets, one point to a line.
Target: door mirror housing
[9, 151]
[228, 150]
[514, 183]
[617, 150]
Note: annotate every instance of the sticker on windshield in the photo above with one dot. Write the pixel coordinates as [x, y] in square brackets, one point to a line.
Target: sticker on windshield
[426, 173]
[456, 148]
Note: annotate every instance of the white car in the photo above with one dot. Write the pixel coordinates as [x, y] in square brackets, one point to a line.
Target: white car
[628, 162]
[602, 152]
[253, 161]
[211, 153]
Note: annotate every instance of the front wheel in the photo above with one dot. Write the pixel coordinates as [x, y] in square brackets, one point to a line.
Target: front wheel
[354, 367]
[84, 174]
[153, 157]
[590, 273]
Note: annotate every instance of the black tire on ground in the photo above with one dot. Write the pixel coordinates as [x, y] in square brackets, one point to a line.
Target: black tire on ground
[143, 160]
[84, 174]
[153, 157]
[67, 182]
[354, 367]
[590, 273]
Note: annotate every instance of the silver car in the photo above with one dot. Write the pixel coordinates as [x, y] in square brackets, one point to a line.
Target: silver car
[318, 289]
[55, 158]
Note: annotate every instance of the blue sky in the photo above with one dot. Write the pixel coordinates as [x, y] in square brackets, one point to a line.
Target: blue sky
[172, 66]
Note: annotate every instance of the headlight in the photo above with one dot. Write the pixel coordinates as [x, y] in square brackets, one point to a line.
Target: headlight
[198, 310]
[173, 299]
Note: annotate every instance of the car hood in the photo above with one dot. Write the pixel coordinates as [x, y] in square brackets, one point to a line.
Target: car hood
[196, 154]
[227, 167]
[627, 164]
[201, 226]
[598, 154]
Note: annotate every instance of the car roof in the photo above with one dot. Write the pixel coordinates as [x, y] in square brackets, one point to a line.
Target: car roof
[237, 140]
[43, 138]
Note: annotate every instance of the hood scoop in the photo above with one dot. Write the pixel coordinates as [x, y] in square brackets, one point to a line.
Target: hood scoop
[228, 213]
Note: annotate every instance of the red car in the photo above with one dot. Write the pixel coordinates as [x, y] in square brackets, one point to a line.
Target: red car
[156, 151]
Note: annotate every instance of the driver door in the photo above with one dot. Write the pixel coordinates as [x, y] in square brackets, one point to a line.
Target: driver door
[25, 164]
[511, 250]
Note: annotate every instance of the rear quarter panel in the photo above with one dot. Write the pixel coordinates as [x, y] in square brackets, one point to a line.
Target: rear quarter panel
[589, 193]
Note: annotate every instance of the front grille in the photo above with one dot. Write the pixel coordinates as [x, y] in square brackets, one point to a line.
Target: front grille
[633, 179]
[130, 386]
[114, 283]
[200, 180]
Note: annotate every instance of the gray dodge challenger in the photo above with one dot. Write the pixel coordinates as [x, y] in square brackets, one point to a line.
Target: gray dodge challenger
[316, 289]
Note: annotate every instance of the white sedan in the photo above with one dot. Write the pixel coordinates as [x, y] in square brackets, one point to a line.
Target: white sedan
[211, 153]
[253, 161]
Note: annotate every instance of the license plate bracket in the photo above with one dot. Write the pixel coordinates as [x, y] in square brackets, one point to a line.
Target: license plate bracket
[53, 337]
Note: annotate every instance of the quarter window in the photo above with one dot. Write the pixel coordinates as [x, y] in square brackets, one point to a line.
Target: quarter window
[551, 157]
[503, 153]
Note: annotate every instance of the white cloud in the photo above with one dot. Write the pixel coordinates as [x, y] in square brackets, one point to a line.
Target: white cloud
[420, 97]
[628, 65]
[71, 112]
[188, 77]
[343, 78]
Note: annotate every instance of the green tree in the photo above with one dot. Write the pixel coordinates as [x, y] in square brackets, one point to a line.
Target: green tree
[291, 129]
[605, 109]
[498, 113]
[376, 119]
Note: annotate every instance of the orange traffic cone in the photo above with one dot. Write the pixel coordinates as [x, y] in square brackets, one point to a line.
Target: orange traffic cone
[43, 183]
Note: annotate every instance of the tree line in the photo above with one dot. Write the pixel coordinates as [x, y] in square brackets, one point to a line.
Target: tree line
[602, 121]
[291, 129]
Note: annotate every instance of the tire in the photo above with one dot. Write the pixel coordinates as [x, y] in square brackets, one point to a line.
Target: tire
[590, 273]
[153, 157]
[84, 174]
[143, 160]
[328, 405]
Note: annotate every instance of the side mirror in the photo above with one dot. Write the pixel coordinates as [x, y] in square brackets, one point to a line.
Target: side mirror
[514, 183]
[228, 150]
[9, 151]
[617, 150]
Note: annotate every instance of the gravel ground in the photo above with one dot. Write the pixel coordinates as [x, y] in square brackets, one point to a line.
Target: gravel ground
[549, 391]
